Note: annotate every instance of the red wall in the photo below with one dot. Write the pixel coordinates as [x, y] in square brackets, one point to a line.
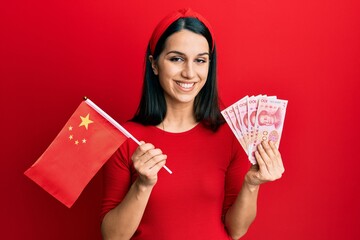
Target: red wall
[54, 52]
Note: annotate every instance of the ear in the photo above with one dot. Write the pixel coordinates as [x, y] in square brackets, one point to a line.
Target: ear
[153, 65]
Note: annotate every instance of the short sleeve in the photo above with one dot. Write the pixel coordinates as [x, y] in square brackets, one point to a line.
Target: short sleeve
[116, 178]
[235, 173]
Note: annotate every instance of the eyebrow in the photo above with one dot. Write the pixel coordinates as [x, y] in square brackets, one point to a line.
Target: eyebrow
[183, 54]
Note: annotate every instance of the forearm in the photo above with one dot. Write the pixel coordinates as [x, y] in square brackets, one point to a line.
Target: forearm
[122, 221]
[242, 213]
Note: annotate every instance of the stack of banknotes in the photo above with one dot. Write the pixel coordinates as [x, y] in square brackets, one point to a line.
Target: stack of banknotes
[255, 119]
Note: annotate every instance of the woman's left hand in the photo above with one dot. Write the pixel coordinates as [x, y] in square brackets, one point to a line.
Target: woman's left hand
[269, 165]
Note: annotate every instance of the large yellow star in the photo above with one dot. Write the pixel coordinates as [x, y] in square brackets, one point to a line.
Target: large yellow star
[85, 121]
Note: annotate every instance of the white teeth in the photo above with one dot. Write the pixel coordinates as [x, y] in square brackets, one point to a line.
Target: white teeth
[185, 85]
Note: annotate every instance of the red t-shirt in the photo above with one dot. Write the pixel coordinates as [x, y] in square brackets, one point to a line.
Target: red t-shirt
[208, 170]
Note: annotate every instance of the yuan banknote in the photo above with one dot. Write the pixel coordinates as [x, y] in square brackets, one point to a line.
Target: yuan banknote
[269, 122]
[232, 121]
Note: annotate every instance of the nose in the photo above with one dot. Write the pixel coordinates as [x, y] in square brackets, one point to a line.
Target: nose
[188, 71]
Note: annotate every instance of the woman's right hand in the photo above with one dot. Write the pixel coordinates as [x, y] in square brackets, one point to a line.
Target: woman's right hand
[148, 160]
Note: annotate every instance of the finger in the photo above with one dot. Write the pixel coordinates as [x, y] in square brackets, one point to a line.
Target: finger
[265, 157]
[145, 147]
[264, 174]
[151, 154]
[271, 158]
[159, 161]
[148, 174]
[275, 150]
[268, 150]
[267, 172]
[146, 152]
[148, 157]
[274, 168]
[273, 155]
[278, 160]
[260, 162]
[142, 149]
[153, 165]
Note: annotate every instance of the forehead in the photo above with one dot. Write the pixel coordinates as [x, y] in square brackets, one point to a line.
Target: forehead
[186, 41]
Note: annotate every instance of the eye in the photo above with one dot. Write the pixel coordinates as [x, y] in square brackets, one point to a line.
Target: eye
[201, 60]
[176, 59]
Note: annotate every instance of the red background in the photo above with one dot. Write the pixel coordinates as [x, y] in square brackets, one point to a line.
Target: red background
[54, 52]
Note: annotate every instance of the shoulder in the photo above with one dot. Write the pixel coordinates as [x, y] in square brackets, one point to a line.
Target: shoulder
[141, 132]
[134, 127]
[125, 150]
[224, 131]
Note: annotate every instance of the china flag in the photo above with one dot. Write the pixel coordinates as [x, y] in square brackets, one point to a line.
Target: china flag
[81, 148]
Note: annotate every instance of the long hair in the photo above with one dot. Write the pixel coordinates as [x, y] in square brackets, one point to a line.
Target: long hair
[152, 106]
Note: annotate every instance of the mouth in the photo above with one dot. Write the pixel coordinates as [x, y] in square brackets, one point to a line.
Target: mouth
[185, 85]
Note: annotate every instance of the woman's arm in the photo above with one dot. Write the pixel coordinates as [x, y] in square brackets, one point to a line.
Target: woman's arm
[269, 168]
[122, 221]
[242, 213]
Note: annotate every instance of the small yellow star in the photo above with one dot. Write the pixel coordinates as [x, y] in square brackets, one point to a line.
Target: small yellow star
[71, 137]
[76, 142]
[84, 140]
[70, 128]
[85, 121]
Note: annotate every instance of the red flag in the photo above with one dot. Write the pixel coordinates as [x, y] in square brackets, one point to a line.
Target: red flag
[81, 148]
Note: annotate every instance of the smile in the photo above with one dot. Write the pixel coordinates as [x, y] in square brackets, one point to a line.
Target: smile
[185, 85]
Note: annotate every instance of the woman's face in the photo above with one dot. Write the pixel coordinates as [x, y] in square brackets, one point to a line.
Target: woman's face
[183, 66]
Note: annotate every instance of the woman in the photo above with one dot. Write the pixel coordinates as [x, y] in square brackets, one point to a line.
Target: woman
[207, 196]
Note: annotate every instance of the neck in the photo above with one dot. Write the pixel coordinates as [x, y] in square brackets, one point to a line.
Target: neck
[179, 118]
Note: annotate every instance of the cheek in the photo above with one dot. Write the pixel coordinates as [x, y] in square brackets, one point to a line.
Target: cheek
[165, 85]
[204, 72]
[166, 77]
[203, 75]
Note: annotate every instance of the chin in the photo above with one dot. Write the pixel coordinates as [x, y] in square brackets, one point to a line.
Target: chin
[186, 100]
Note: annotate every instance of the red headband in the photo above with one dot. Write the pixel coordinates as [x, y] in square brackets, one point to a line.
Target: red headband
[168, 20]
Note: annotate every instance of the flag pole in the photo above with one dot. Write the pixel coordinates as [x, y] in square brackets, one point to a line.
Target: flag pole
[116, 125]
